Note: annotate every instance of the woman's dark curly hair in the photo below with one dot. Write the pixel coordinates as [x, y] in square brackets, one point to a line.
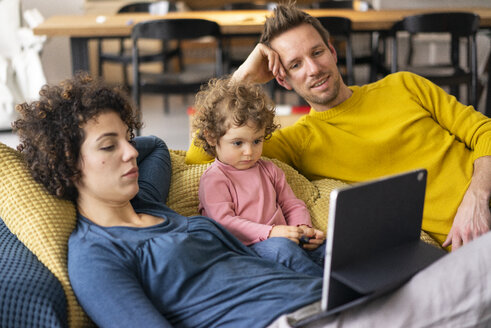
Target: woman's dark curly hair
[50, 129]
[224, 103]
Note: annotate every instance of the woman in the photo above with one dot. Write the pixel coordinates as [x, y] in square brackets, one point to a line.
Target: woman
[132, 261]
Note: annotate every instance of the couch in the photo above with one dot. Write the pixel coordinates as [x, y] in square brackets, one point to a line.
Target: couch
[34, 228]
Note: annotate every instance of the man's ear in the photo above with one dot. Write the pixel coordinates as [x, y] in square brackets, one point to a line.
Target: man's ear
[333, 51]
[283, 83]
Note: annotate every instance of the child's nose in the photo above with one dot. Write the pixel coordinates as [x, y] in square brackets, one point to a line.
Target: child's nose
[247, 149]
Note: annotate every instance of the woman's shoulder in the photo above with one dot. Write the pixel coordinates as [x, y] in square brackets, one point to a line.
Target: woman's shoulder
[85, 236]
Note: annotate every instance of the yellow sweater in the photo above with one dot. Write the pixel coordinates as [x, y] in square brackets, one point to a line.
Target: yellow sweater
[396, 124]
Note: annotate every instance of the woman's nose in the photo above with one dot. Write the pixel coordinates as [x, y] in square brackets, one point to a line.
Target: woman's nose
[129, 152]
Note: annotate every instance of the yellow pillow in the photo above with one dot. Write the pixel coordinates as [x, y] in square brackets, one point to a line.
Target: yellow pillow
[41, 221]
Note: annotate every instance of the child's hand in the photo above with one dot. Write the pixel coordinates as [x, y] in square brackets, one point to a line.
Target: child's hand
[290, 232]
[316, 237]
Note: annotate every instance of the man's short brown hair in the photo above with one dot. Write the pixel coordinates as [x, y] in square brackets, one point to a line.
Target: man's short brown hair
[288, 16]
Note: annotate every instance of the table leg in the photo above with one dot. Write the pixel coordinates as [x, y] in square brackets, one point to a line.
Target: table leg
[80, 54]
[488, 99]
[487, 109]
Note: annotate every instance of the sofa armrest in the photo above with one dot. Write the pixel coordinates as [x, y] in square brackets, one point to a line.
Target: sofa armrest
[30, 295]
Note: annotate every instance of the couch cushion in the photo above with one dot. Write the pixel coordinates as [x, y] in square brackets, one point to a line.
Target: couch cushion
[30, 295]
[41, 222]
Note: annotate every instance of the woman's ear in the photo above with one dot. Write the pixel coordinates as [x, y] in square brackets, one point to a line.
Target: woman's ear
[283, 83]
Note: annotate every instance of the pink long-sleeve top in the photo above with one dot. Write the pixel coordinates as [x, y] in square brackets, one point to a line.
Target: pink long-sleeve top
[250, 202]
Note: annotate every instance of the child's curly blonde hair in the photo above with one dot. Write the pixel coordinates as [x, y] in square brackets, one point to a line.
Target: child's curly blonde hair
[224, 103]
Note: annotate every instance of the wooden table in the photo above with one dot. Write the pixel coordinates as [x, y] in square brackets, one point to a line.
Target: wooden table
[81, 29]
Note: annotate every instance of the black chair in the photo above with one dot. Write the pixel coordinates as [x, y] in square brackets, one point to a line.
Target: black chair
[360, 59]
[183, 81]
[245, 5]
[123, 54]
[340, 27]
[237, 47]
[460, 26]
[333, 4]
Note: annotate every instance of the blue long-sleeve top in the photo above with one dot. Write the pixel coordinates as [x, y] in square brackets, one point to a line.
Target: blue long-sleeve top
[184, 272]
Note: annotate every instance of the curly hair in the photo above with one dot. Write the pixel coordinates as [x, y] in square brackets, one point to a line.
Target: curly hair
[51, 129]
[288, 16]
[224, 103]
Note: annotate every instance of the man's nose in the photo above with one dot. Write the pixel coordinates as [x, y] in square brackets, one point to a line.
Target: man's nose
[312, 66]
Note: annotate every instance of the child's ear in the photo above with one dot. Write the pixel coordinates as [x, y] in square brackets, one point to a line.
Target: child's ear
[211, 141]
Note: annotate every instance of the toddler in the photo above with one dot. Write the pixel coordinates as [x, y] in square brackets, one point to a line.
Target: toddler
[249, 195]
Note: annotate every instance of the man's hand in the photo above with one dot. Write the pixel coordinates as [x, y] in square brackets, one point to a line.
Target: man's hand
[473, 217]
[316, 237]
[472, 220]
[262, 65]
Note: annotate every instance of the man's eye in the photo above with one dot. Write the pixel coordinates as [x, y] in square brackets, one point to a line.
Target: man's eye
[318, 52]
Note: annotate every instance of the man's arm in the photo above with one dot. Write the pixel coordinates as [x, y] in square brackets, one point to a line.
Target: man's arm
[262, 65]
[473, 216]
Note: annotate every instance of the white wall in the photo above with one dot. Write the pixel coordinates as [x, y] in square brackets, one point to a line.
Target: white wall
[56, 53]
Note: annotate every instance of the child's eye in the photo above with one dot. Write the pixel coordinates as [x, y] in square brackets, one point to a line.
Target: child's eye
[237, 143]
[258, 141]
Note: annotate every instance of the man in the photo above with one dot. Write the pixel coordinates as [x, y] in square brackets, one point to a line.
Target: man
[399, 123]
